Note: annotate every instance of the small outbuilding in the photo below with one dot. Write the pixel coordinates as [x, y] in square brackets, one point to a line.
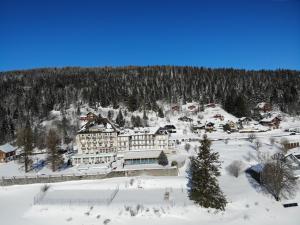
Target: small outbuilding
[7, 152]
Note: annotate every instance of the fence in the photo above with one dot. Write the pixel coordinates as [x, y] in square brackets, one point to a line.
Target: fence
[7, 181]
[42, 199]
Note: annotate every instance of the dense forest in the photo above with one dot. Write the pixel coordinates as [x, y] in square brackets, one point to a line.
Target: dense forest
[32, 94]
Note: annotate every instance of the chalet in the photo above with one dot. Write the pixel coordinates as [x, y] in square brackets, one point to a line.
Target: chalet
[218, 116]
[272, 122]
[192, 107]
[263, 107]
[185, 119]
[232, 125]
[170, 128]
[197, 128]
[89, 117]
[175, 108]
[209, 126]
[244, 120]
[211, 105]
[7, 153]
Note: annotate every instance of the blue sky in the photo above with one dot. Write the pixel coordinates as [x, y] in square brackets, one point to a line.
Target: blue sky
[250, 34]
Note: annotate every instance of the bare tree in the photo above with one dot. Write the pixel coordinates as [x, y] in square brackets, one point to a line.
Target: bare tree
[251, 137]
[257, 145]
[235, 168]
[278, 177]
[54, 157]
[25, 141]
[272, 141]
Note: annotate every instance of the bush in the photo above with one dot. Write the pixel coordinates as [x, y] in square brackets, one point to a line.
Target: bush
[235, 168]
[45, 187]
[174, 163]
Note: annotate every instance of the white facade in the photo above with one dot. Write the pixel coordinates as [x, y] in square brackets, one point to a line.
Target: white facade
[143, 139]
[97, 144]
[102, 144]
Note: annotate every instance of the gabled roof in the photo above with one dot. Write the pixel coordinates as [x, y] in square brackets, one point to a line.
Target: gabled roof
[7, 148]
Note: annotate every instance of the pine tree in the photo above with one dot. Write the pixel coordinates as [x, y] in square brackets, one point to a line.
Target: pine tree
[25, 141]
[120, 119]
[161, 113]
[110, 115]
[163, 159]
[202, 178]
[54, 157]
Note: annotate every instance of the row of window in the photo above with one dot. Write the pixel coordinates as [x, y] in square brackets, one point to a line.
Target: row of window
[92, 160]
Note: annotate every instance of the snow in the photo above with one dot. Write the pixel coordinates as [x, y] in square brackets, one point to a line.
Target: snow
[6, 148]
[144, 199]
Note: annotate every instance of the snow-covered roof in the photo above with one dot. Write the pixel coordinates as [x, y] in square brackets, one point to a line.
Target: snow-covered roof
[295, 152]
[6, 148]
[139, 131]
[150, 154]
[270, 119]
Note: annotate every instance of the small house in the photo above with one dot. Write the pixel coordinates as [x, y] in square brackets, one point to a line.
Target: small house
[88, 117]
[185, 119]
[7, 153]
[211, 105]
[218, 116]
[170, 128]
[175, 108]
[196, 128]
[272, 122]
[209, 126]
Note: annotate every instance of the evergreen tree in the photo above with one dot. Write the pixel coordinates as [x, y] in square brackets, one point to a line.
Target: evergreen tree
[25, 141]
[132, 103]
[163, 159]
[120, 119]
[145, 117]
[54, 157]
[161, 113]
[203, 187]
[110, 115]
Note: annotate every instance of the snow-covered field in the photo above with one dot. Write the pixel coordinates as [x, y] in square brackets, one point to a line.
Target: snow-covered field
[144, 200]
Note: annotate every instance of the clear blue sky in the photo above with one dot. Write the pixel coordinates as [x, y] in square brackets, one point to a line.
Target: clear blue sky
[250, 34]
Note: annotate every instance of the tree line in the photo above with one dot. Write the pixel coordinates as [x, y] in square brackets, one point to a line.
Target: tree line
[32, 94]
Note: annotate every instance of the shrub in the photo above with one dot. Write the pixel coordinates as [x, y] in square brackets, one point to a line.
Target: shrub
[174, 163]
[45, 187]
[235, 168]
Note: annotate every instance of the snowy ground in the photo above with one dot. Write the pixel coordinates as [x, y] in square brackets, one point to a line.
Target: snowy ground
[142, 200]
